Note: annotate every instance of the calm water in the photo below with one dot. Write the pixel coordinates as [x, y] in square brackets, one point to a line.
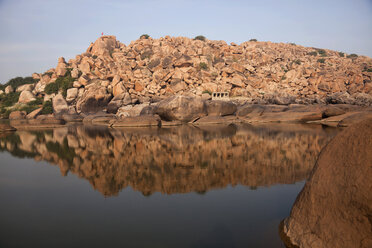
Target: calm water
[221, 186]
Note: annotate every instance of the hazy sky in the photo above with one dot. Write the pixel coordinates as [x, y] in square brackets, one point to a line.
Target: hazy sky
[34, 33]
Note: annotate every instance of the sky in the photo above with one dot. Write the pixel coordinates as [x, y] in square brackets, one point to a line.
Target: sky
[34, 33]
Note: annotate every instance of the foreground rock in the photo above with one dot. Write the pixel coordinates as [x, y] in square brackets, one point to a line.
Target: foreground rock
[95, 98]
[59, 105]
[17, 115]
[220, 108]
[181, 108]
[335, 207]
[26, 96]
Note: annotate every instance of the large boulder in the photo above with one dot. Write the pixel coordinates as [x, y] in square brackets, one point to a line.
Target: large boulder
[180, 108]
[61, 68]
[72, 93]
[277, 113]
[17, 115]
[24, 87]
[220, 108]
[8, 89]
[103, 46]
[118, 101]
[131, 111]
[98, 117]
[280, 98]
[355, 118]
[26, 96]
[59, 105]
[334, 208]
[245, 110]
[95, 98]
[332, 111]
[34, 113]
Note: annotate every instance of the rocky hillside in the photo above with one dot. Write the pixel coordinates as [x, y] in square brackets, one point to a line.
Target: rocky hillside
[110, 74]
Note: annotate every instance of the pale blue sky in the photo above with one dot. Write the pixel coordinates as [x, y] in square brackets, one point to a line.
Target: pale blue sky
[34, 33]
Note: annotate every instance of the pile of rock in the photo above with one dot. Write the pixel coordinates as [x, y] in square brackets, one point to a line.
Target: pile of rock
[111, 75]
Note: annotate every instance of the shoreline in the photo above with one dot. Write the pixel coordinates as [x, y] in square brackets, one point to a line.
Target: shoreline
[334, 115]
[212, 112]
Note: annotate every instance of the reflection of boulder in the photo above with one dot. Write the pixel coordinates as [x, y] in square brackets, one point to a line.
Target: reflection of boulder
[178, 159]
[335, 207]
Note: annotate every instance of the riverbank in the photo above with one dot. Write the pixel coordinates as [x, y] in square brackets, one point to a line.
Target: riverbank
[179, 110]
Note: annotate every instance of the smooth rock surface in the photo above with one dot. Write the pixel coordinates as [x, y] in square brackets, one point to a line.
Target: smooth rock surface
[59, 105]
[17, 115]
[26, 96]
[335, 207]
[34, 113]
[94, 98]
[180, 108]
[220, 108]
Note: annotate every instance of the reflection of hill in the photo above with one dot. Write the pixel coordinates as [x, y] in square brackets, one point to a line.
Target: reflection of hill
[175, 160]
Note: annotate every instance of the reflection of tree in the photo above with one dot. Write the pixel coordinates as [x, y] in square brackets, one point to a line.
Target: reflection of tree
[174, 160]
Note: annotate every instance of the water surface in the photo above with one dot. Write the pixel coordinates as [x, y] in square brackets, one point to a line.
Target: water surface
[219, 186]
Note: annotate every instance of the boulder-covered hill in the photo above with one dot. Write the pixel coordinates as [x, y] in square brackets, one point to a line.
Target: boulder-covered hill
[111, 74]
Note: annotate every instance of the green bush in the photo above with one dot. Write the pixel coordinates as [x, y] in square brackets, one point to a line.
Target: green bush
[341, 54]
[28, 108]
[369, 70]
[322, 52]
[47, 108]
[38, 101]
[200, 37]
[253, 40]
[312, 53]
[4, 113]
[31, 106]
[61, 84]
[95, 56]
[144, 36]
[7, 100]
[297, 62]
[18, 81]
[48, 73]
[51, 88]
[353, 55]
[63, 151]
[207, 92]
[321, 61]
[203, 66]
